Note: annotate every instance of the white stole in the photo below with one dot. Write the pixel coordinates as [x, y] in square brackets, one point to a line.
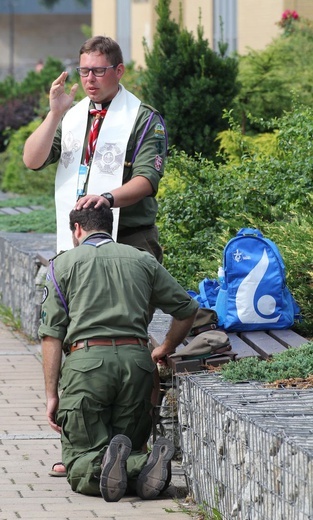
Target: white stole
[106, 172]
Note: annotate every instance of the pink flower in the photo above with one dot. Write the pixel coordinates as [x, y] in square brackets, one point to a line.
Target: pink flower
[286, 14]
[287, 18]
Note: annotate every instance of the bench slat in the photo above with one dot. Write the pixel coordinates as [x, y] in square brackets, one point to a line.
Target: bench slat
[240, 348]
[264, 344]
[186, 365]
[288, 337]
[196, 365]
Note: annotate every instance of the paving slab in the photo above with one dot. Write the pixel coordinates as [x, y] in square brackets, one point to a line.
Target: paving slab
[23, 209]
[28, 448]
[9, 211]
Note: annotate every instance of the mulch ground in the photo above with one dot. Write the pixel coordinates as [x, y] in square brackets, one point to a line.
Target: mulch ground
[296, 382]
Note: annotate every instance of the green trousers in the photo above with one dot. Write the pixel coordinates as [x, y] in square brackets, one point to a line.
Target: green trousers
[147, 239]
[105, 391]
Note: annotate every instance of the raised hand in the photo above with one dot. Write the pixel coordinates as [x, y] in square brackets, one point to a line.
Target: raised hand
[60, 101]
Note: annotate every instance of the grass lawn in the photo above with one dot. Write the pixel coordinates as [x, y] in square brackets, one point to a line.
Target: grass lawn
[38, 221]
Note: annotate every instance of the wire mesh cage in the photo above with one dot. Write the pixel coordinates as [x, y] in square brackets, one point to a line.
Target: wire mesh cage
[246, 449]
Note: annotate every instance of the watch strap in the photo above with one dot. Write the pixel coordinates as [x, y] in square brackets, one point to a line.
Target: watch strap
[109, 198]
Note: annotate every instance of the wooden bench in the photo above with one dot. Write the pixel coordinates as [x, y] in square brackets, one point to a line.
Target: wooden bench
[262, 344]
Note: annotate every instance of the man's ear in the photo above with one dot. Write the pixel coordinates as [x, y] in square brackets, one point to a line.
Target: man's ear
[78, 230]
[120, 69]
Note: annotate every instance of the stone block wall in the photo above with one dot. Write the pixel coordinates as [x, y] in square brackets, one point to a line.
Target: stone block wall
[23, 260]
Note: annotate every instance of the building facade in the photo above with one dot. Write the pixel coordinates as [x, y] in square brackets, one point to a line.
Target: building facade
[29, 33]
[244, 23]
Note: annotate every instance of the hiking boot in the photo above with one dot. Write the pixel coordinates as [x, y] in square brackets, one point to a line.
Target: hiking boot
[113, 478]
[156, 474]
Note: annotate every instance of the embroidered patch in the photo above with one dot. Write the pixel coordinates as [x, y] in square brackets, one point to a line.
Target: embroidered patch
[159, 146]
[108, 158]
[159, 131]
[69, 147]
[158, 162]
[44, 294]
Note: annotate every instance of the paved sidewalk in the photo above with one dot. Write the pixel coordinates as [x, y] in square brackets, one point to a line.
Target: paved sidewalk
[28, 447]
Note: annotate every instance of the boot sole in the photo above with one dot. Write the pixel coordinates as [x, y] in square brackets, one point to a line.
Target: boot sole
[113, 479]
[152, 479]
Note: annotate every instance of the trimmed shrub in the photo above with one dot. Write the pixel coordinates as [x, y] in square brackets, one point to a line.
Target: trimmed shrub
[15, 176]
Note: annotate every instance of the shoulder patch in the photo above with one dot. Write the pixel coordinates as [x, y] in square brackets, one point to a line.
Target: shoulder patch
[159, 131]
[158, 161]
[45, 294]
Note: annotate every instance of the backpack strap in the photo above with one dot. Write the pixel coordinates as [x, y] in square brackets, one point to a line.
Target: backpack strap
[208, 292]
[57, 288]
[249, 231]
[148, 123]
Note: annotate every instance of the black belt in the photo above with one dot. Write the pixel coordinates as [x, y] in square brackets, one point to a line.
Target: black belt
[106, 342]
[130, 231]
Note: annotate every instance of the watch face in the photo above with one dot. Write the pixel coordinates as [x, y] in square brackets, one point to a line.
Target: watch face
[109, 197]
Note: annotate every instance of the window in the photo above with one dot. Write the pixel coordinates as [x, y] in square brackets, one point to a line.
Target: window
[123, 17]
[225, 24]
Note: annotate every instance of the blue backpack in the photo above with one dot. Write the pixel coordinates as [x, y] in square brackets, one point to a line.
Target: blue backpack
[208, 290]
[254, 295]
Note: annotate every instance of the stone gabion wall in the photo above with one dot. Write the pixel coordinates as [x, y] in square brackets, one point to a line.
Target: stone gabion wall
[247, 451]
[168, 417]
[22, 275]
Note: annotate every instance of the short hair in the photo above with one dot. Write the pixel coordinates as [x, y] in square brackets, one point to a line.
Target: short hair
[92, 219]
[105, 45]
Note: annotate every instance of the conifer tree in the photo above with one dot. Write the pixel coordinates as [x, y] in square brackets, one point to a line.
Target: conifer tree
[189, 84]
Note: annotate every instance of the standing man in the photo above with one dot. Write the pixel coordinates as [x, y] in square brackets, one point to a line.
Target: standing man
[110, 148]
[95, 307]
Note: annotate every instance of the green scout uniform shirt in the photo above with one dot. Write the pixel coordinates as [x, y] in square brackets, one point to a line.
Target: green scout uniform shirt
[144, 212]
[107, 290]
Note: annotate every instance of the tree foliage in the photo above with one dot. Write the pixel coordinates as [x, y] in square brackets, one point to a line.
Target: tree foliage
[189, 84]
[20, 101]
[272, 77]
[33, 84]
[16, 177]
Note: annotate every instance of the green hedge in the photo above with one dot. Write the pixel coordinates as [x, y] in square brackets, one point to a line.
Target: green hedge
[15, 177]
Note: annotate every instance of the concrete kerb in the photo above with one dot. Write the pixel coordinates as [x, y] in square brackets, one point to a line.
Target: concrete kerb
[28, 448]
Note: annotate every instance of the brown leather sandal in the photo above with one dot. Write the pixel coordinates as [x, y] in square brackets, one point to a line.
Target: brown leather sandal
[57, 473]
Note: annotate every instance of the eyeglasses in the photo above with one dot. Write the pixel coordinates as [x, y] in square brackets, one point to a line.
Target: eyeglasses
[97, 71]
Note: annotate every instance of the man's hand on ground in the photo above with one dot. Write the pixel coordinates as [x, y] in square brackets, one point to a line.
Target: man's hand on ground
[52, 407]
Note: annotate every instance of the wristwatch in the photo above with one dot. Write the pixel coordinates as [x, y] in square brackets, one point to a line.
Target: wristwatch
[109, 197]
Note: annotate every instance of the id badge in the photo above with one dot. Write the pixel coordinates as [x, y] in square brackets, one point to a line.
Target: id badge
[82, 177]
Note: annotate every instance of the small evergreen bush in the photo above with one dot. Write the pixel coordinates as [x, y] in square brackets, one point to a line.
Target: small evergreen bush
[16, 177]
[293, 363]
[19, 102]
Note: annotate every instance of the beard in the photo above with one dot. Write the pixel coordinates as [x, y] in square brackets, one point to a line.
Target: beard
[75, 241]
